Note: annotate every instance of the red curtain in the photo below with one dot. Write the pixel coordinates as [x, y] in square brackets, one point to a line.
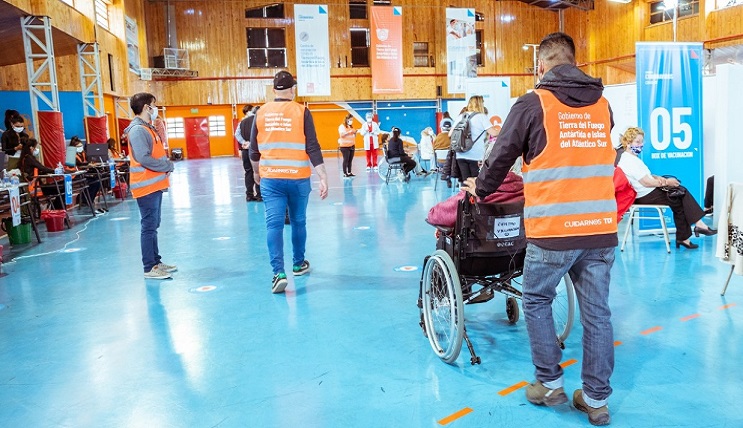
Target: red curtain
[51, 137]
[96, 128]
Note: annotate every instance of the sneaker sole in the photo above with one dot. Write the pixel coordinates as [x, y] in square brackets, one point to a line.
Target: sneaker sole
[158, 277]
[302, 272]
[279, 287]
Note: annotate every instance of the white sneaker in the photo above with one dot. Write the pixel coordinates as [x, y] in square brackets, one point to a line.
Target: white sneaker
[166, 268]
[368, 169]
[156, 273]
[376, 168]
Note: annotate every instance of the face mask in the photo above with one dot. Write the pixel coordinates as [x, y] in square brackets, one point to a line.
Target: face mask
[36, 152]
[79, 149]
[153, 112]
[636, 149]
[18, 128]
[349, 123]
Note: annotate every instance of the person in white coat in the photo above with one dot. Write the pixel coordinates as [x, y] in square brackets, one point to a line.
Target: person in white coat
[425, 147]
[370, 131]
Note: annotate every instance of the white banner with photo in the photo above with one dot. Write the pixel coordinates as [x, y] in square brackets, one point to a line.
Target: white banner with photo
[313, 52]
[461, 48]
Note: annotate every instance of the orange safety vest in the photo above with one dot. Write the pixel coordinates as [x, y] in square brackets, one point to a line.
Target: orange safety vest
[568, 187]
[144, 181]
[348, 140]
[281, 141]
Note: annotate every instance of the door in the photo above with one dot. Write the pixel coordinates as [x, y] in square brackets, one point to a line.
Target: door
[197, 137]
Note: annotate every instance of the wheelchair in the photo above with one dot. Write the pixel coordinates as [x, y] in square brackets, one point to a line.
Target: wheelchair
[483, 254]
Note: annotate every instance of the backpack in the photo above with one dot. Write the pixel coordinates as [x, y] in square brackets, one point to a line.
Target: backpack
[461, 135]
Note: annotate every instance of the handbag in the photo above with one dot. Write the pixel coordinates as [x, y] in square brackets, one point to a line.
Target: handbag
[675, 193]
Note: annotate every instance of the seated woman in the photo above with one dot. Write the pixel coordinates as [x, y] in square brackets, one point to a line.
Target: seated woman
[395, 150]
[445, 213]
[30, 166]
[112, 152]
[686, 211]
[81, 161]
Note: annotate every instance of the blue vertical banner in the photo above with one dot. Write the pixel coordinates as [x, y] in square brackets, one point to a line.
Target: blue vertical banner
[669, 110]
[669, 97]
[68, 189]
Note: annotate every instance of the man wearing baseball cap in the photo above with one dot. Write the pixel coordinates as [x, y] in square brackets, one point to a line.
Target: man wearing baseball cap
[283, 144]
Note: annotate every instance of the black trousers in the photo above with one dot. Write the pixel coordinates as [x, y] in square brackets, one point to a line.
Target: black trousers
[347, 153]
[250, 188]
[467, 169]
[686, 211]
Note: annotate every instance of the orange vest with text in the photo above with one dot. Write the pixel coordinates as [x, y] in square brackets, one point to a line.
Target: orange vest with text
[281, 141]
[144, 181]
[569, 187]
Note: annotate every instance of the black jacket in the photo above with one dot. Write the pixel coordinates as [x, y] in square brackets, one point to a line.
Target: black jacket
[395, 149]
[11, 139]
[523, 134]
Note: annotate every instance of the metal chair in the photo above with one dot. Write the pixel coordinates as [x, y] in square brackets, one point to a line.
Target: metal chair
[634, 213]
[439, 159]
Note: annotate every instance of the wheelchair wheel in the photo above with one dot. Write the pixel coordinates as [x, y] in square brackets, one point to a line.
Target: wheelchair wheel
[383, 166]
[443, 307]
[563, 309]
[512, 310]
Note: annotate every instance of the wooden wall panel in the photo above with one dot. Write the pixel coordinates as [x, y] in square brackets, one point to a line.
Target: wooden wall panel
[724, 27]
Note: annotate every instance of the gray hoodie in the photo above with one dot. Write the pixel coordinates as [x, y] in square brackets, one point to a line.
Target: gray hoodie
[140, 144]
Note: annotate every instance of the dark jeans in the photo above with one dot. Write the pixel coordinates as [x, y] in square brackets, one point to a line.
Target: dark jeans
[347, 153]
[250, 188]
[467, 169]
[149, 210]
[408, 163]
[686, 211]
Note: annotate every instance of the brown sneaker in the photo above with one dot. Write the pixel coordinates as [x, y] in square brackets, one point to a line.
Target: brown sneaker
[537, 393]
[596, 416]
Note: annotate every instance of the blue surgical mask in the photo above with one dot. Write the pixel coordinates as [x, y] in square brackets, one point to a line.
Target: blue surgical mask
[636, 149]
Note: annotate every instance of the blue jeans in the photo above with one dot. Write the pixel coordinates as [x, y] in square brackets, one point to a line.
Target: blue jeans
[590, 270]
[278, 195]
[149, 210]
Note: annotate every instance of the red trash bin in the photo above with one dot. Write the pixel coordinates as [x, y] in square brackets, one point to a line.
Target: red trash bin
[54, 220]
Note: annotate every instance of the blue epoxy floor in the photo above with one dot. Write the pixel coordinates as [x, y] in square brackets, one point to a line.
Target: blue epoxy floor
[85, 341]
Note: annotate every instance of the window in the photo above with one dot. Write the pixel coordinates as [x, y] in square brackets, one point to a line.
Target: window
[359, 47]
[216, 126]
[420, 54]
[480, 48]
[357, 9]
[175, 127]
[275, 10]
[659, 12]
[69, 2]
[111, 72]
[101, 13]
[266, 48]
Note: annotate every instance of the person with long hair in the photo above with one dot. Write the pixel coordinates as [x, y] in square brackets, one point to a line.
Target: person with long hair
[686, 210]
[28, 162]
[469, 161]
[347, 144]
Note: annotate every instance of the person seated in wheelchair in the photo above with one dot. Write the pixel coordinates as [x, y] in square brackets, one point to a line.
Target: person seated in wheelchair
[396, 150]
[444, 214]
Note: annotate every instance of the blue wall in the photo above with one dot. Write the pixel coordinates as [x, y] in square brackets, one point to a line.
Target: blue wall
[71, 104]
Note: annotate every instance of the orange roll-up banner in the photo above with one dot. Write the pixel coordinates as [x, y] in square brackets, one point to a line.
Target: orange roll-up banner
[386, 49]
